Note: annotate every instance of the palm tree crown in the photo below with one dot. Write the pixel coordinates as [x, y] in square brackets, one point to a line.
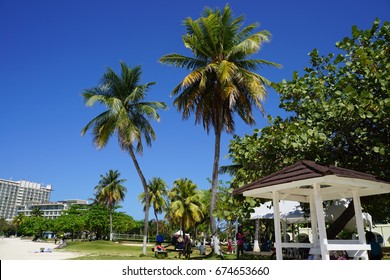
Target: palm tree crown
[36, 212]
[110, 192]
[185, 207]
[158, 192]
[127, 113]
[221, 81]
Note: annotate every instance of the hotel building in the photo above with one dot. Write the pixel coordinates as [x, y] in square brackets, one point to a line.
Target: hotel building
[21, 193]
[50, 210]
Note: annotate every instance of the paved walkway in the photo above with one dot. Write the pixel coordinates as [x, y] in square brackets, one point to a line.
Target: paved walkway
[20, 249]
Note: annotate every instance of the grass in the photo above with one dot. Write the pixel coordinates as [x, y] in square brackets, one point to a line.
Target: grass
[107, 250]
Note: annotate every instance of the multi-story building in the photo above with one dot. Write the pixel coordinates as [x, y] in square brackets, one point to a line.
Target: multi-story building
[50, 210]
[20, 193]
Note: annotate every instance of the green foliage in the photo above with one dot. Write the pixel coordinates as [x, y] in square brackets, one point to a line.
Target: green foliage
[233, 208]
[158, 192]
[36, 212]
[339, 114]
[110, 190]
[185, 207]
[122, 223]
[35, 226]
[6, 228]
[80, 221]
[127, 113]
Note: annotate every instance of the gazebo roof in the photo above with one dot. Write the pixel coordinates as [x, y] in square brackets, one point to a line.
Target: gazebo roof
[295, 183]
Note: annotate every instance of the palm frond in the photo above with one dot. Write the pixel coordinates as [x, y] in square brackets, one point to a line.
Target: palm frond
[182, 61]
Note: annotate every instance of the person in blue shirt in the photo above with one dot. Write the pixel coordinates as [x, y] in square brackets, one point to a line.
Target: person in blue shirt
[376, 250]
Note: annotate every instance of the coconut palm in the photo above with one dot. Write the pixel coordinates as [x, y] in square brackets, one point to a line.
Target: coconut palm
[18, 220]
[36, 212]
[158, 192]
[185, 205]
[110, 192]
[221, 81]
[127, 115]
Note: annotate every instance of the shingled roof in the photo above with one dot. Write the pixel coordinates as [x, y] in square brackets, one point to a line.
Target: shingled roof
[303, 173]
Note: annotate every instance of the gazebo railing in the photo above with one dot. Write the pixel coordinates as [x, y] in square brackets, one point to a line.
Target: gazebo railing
[353, 248]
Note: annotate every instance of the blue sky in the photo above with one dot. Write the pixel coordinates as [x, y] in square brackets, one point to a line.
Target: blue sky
[50, 51]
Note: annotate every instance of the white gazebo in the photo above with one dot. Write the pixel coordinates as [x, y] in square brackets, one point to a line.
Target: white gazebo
[307, 181]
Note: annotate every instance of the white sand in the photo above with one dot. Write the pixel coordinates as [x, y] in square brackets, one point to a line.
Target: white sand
[19, 249]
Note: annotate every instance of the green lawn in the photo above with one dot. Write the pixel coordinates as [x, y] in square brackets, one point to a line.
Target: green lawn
[107, 250]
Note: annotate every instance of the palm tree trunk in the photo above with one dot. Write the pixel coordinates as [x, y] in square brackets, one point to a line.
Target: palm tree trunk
[111, 224]
[155, 214]
[214, 179]
[147, 199]
[256, 247]
[182, 227]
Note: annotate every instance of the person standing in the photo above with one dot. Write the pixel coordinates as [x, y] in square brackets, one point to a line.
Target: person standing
[240, 242]
[230, 245]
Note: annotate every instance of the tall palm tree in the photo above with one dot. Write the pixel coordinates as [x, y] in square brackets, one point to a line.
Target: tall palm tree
[127, 115]
[221, 81]
[158, 192]
[185, 204]
[110, 192]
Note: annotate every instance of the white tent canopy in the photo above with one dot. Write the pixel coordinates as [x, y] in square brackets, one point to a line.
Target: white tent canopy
[291, 212]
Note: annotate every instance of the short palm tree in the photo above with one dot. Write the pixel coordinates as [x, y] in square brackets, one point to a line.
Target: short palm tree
[127, 115]
[18, 220]
[221, 81]
[158, 193]
[185, 206]
[36, 212]
[110, 192]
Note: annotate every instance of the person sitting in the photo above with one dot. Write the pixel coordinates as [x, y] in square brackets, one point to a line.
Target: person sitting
[174, 240]
[376, 250]
[159, 239]
[179, 243]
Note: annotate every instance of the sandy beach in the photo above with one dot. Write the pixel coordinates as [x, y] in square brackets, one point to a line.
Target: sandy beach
[20, 249]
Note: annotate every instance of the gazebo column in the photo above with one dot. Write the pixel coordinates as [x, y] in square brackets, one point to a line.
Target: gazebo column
[321, 221]
[313, 220]
[359, 220]
[256, 247]
[278, 236]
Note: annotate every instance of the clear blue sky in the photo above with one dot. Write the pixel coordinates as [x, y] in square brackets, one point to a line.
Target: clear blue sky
[51, 50]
